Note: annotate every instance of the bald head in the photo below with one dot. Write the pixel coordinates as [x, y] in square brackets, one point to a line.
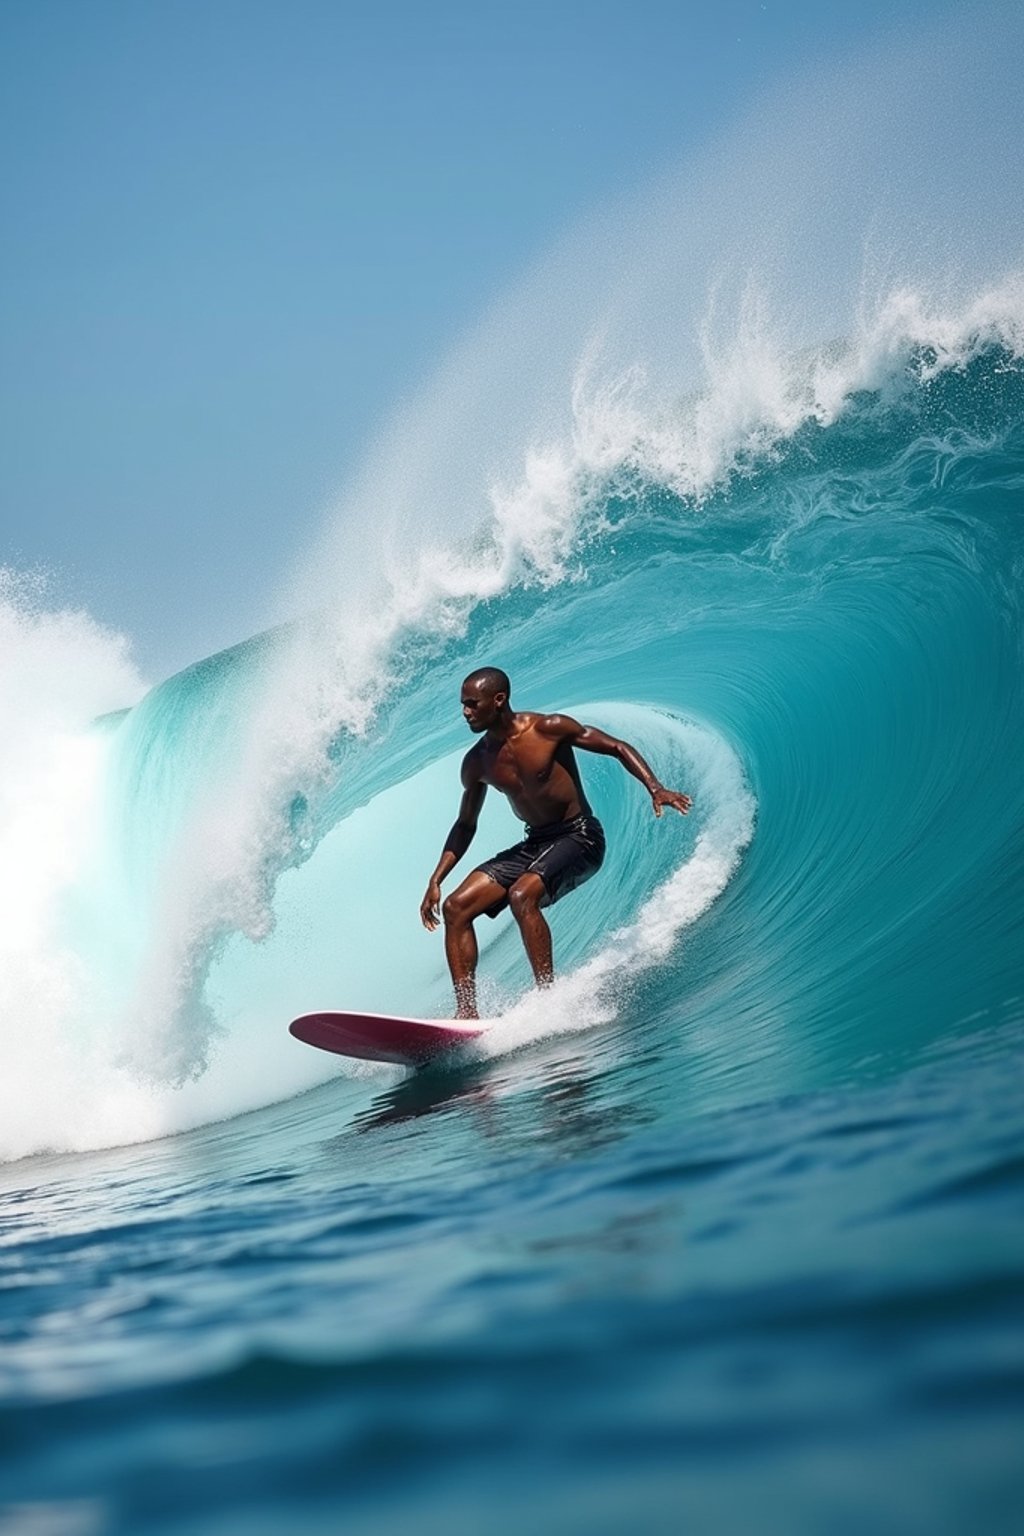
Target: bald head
[490, 679]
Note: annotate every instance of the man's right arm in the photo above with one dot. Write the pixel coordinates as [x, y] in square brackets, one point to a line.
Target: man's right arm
[458, 840]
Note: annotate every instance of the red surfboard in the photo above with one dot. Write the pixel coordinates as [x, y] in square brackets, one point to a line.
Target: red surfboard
[381, 1037]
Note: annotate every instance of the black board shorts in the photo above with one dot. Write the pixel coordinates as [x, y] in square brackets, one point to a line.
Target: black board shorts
[564, 854]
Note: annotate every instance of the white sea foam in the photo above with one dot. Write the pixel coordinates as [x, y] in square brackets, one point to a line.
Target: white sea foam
[59, 670]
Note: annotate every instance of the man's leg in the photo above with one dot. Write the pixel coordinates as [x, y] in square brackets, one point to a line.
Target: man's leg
[525, 898]
[476, 893]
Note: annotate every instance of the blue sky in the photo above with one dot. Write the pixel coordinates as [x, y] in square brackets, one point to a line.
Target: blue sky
[236, 234]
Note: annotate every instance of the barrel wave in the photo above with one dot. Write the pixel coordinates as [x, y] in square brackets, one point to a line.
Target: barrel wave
[828, 643]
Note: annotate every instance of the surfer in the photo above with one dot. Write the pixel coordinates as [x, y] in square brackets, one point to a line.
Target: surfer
[529, 758]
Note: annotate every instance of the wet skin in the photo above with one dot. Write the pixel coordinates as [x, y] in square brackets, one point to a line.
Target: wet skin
[528, 758]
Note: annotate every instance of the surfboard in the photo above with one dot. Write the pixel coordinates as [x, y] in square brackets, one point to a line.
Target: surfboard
[383, 1037]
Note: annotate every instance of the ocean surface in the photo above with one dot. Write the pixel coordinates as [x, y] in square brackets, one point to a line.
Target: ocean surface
[723, 1232]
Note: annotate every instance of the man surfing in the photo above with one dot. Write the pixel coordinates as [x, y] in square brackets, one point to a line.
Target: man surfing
[529, 758]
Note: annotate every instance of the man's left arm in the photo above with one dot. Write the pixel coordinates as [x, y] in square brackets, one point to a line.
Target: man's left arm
[589, 739]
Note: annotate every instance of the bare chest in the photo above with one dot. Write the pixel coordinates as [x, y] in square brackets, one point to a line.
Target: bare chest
[528, 763]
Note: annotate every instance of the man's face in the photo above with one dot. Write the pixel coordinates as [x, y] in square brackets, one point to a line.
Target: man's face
[480, 709]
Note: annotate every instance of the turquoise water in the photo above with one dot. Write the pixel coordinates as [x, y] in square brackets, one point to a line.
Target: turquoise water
[725, 1229]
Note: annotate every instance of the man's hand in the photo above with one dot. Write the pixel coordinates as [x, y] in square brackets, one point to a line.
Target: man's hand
[429, 914]
[660, 797]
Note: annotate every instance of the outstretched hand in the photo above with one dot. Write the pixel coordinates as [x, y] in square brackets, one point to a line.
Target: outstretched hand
[429, 914]
[662, 797]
